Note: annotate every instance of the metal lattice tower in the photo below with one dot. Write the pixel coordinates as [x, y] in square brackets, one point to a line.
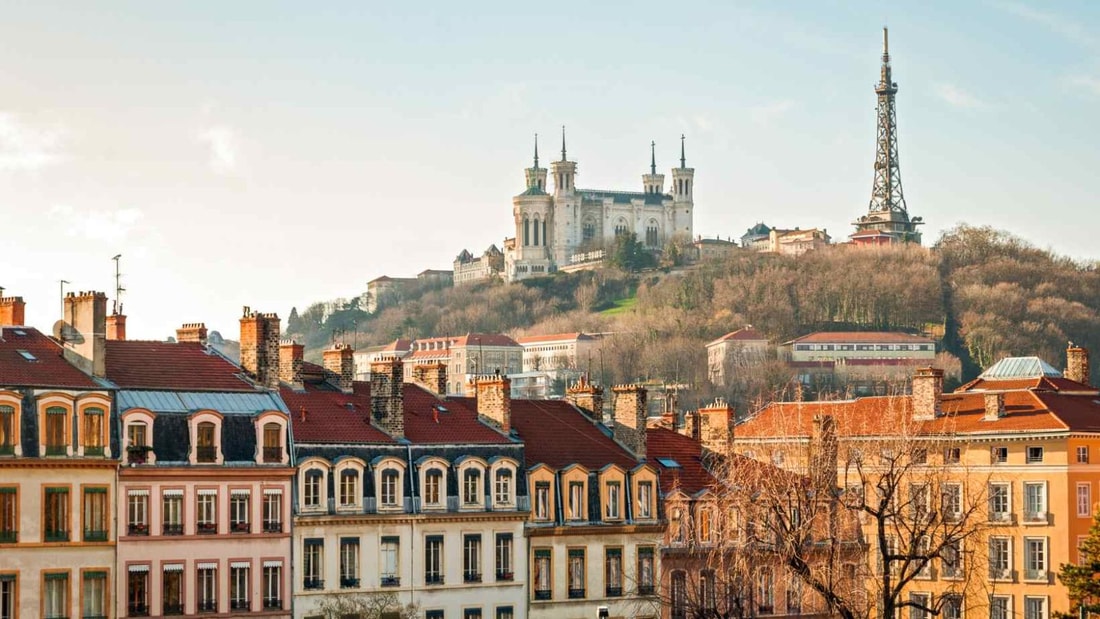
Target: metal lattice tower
[886, 194]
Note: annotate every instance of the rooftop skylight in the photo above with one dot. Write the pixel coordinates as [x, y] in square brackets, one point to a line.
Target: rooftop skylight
[27, 355]
[1020, 367]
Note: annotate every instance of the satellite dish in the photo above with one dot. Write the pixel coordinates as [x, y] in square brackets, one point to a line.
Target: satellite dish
[64, 332]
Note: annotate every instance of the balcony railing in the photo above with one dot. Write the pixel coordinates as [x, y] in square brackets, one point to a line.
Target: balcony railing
[349, 583]
[172, 608]
[9, 537]
[613, 592]
[1037, 575]
[273, 603]
[1002, 517]
[240, 527]
[171, 529]
[137, 528]
[645, 589]
[240, 604]
[137, 609]
[207, 528]
[313, 584]
[1036, 517]
[273, 526]
[273, 455]
[208, 606]
[765, 609]
[57, 536]
[206, 454]
[471, 577]
[138, 454]
[391, 581]
[57, 450]
[996, 573]
[7, 449]
[95, 536]
[505, 575]
[90, 450]
[576, 594]
[542, 594]
[433, 579]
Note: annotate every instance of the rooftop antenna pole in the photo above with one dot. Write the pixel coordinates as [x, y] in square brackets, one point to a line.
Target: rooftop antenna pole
[118, 286]
[63, 282]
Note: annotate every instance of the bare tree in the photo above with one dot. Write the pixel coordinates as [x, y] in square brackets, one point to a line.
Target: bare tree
[366, 606]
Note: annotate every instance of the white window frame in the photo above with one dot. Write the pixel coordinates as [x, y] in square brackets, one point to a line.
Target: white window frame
[1044, 607]
[1004, 572]
[1035, 501]
[1036, 558]
[1084, 499]
[613, 510]
[994, 516]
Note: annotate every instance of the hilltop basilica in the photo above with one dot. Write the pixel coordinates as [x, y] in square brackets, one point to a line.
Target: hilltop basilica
[570, 226]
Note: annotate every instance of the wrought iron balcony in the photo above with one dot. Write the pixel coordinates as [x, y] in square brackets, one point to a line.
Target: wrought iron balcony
[391, 581]
[172, 608]
[94, 451]
[576, 593]
[137, 528]
[206, 454]
[433, 579]
[208, 606]
[240, 604]
[171, 529]
[57, 536]
[349, 583]
[765, 609]
[9, 537]
[645, 589]
[57, 450]
[207, 528]
[273, 455]
[1002, 517]
[313, 584]
[273, 526]
[95, 536]
[240, 527]
[542, 594]
[1036, 518]
[137, 609]
[505, 575]
[273, 603]
[614, 592]
[471, 577]
[7, 449]
[1037, 576]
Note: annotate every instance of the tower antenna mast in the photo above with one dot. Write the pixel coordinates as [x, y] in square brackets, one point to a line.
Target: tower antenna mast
[118, 286]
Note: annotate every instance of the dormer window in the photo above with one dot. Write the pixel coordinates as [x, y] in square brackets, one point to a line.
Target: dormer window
[311, 491]
[645, 500]
[502, 487]
[433, 487]
[349, 487]
[8, 438]
[576, 501]
[57, 431]
[389, 488]
[206, 451]
[613, 509]
[273, 443]
[542, 500]
[471, 487]
[93, 431]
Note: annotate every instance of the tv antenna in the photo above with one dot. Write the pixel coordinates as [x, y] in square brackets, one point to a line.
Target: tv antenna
[118, 287]
[63, 282]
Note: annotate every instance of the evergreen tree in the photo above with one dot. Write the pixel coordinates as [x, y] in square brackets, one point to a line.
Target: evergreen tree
[1083, 581]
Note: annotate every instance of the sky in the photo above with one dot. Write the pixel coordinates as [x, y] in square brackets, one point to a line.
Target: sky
[273, 154]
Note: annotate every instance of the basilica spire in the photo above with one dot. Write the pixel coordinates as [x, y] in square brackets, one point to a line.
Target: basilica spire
[652, 157]
[683, 159]
[536, 151]
[563, 143]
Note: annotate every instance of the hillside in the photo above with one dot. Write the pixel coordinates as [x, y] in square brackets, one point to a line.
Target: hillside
[984, 293]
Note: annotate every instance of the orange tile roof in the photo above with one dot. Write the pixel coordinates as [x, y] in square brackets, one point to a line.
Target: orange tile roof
[557, 337]
[189, 366]
[854, 337]
[741, 335]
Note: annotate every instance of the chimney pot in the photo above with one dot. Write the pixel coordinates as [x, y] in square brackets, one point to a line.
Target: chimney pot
[994, 405]
[387, 395]
[1077, 364]
[339, 361]
[12, 311]
[260, 347]
[630, 417]
[86, 314]
[927, 394]
[494, 402]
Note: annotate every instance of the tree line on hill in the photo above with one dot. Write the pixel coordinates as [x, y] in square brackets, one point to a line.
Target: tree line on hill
[984, 293]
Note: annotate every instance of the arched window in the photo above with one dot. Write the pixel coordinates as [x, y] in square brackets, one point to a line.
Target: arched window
[652, 234]
[311, 493]
[544, 242]
[57, 420]
[706, 590]
[526, 231]
[620, 227]
[588, 230]
[389, 489]
[206, 446]
[433, 487]
[273, 443]
[7, 430]
[502, 487]
[349, 487]
[679, 595]
[765, 591]
[471, 487]
[536, 230]
[93, 431]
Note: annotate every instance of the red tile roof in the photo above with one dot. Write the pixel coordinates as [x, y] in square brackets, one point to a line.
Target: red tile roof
[744, 334]
[860, 337]
[182, 366]
[692, 476]
[473, 339]
[556, 434]
[557, 337]
[48, 369]
[456, 422]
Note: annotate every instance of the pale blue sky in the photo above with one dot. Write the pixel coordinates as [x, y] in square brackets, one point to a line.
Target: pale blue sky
[272, 154]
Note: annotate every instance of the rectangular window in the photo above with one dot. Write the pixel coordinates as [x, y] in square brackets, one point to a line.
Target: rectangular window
[951, 501]
[951, 455]
[544, 578]
[349, 487]
[1035, 607]
[172, 590]
[1035, 502]
[55, 527]
[502, 487]
[239, 587]
[7, 430]
[1034, 455]
[433, 487]
[471, 487]
[1083, 455]
[471, 613]
[137, 512]
[504, 557]
[1084, 500]
[998, 455]
[471, 558]
[57, 420]
[95, 514]
[951, 560]
[208, 511]
[93, 595]
[1000, 607]
[391, 567]
[8, 593]
[645, 500]
[9, 515]
[952, 606]
[765, 592]
[433, 560]
[207, 448]
[433, 614]
[55, 596]
[93, 432]
[920, 601]
[505, 612]
[1035, 558]
[1000, 508]
[542, 500]
[613, 572]
[576, 573]
[239, 508]
[171, 512]
[273, 511]
[313, 575]
[645, 570]
[273, 585]
[273, 443]
[389, 488]
[349, 562]
[311, 495]
[1000, 558]
[576, 501]
[206, 583]
[137, 591]
[614, 500]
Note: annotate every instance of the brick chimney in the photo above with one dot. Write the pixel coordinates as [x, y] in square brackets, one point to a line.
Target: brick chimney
[291, 357]
[339, 362]
[687, 426]
[630, 417]
[431, 376]
[192, 332]
[85, 332]
[927, 395]
[116, 327]
[12, 310]
[1077, 364]
[386, 395]
[994, 405]
[260, 347]
[494, 401]
[587, 397]
[715, 426]
[823, 452]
